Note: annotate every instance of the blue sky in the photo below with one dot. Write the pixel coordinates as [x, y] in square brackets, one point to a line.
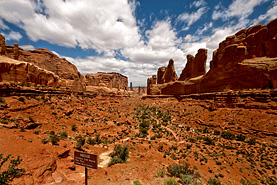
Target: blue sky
[132, 37]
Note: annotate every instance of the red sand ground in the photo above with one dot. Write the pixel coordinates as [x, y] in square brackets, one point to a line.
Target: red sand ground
[116, 121]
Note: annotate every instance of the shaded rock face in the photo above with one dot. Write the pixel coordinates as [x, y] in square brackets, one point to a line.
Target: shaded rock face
[161, 72]
[109, 80]
[170, 74]
[196, 66]
[16, 71]
[2, 45]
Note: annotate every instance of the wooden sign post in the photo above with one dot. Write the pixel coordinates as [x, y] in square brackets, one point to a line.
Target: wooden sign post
[87, 160]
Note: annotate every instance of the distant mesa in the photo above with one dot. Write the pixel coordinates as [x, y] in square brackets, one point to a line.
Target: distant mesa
[245, 60]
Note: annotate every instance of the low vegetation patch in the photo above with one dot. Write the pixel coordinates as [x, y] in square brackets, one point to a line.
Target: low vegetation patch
[12, 171]
[119, 155]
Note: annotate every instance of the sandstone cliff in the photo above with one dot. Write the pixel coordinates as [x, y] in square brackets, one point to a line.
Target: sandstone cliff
[109, 80]
[167, 74]
[18, 71]
[245, 60]
[196, 66]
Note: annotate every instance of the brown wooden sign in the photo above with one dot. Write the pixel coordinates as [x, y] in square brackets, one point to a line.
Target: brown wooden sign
[85, 159]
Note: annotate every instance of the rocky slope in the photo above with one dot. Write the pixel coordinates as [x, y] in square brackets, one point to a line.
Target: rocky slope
[245, 60]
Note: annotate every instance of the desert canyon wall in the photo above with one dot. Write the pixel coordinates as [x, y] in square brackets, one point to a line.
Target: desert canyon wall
[245, 60]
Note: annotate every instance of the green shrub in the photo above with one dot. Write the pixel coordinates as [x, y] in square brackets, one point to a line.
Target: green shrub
[214, 181]
[12, 171]
[91, 141]
[54, 139]
[240, 137]
[80, 141]
[244, 182]
[4, 121]
[176, 170]
[2, 101]
[119, 155]
[208, 141]
[44, 141]
[63, 135]
[170, 181]
[252, 141]
[161, 172]
[74, 128]
[137, 182]
[189, 180]
[228, 135]
[31, 119]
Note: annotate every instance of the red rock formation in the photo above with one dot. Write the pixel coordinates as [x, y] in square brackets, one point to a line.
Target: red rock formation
[17, 71]
[245, 60]
[15, 51]
[2, 45]
[47, 60]
[109, 80]
[196, 66]
[170, 74]
[161, 72]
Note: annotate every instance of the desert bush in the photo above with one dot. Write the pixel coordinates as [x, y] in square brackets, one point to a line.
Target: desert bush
[119, 155]
[54, 139]
[91, 141]
[80, 141]
[176, 170]
[12, 171]
[246, 182]
[208, 141]
[74, 128]
[63, 135]
[252, 141]
[4, 121]
[31, 119]
[2, 101]
[214, 181]
[228, 135]
[170, 181]
[44, 141]
[240, 137]
[189, 180]
[137, 182]
[160, 172]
